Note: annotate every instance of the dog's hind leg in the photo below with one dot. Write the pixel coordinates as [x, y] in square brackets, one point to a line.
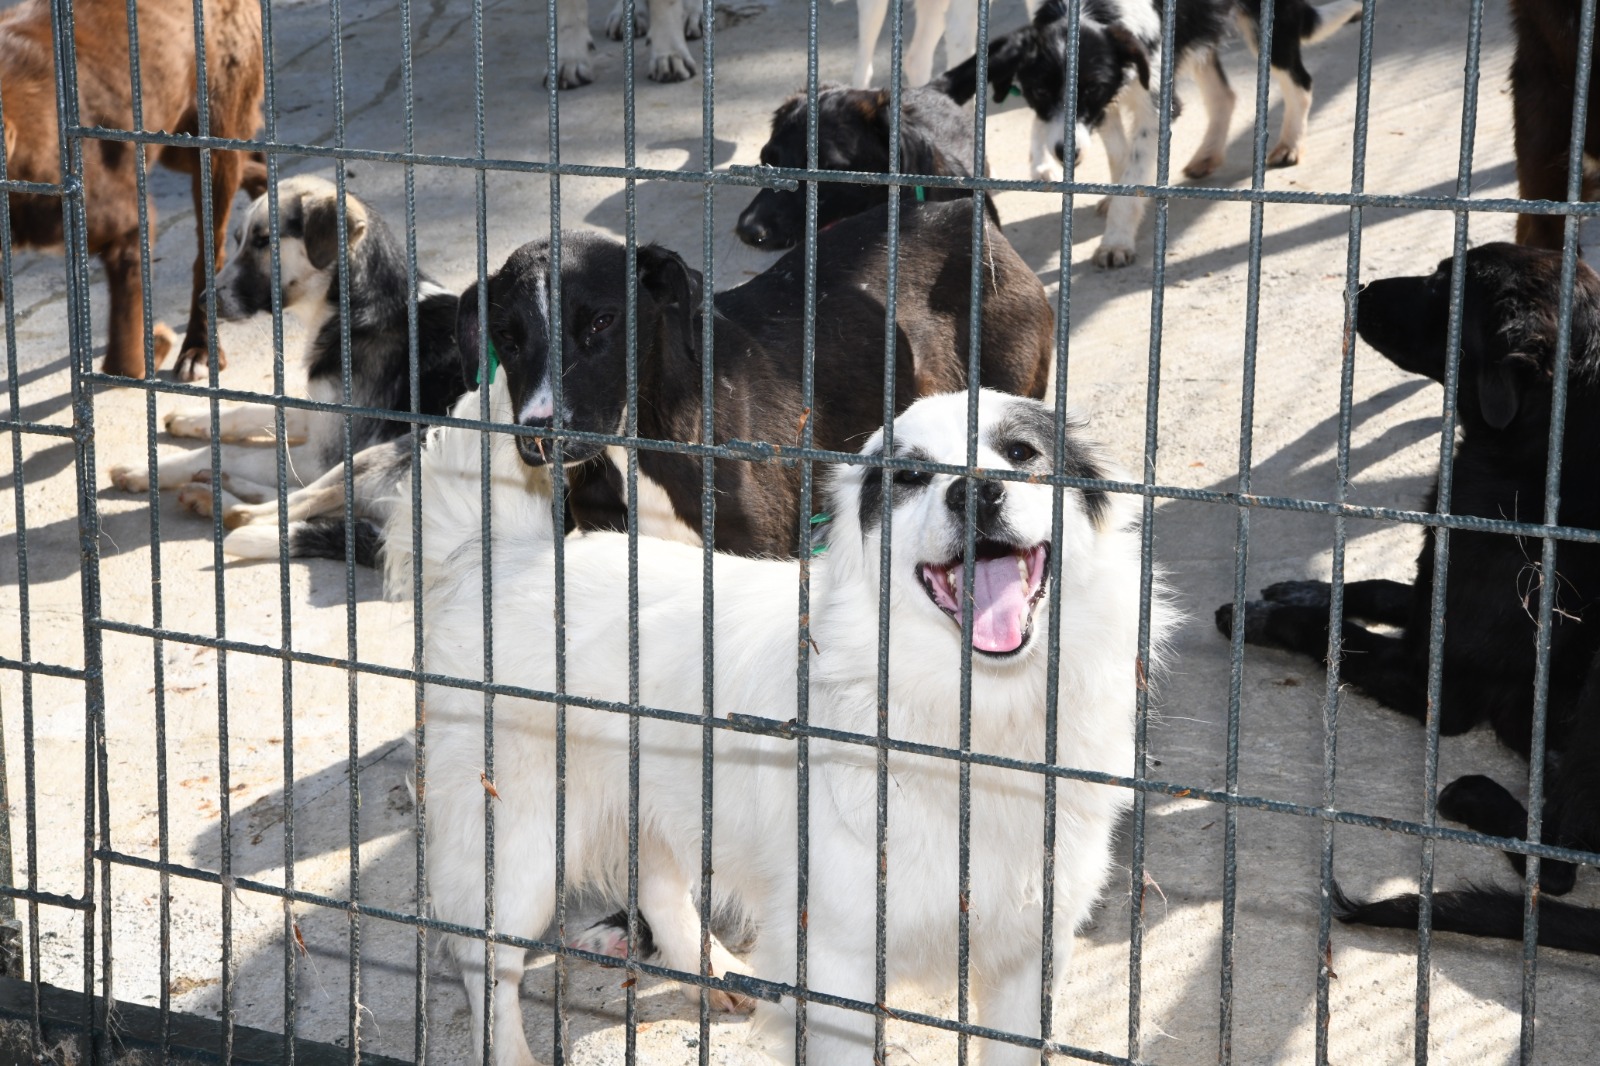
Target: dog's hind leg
[869, 23]
[1377, 600]
[240, 422]
[1483, 805]
[1219, 99]
[1126, 212]
[666, 902]
[917, 62]
[1295, 82]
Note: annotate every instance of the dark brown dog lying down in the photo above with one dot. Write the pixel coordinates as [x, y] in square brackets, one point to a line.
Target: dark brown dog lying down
[167, 73]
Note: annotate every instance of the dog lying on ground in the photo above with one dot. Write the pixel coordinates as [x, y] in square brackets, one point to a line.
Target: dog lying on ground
[110, 168]
[308, 244]
[1508, 338]
[853, 134]
[956, 20]
[1544, 80]
[754, 836]
[669, 24]
[1119, 69]
[758, 356]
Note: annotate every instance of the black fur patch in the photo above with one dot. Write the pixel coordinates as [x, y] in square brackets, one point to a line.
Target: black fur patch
[906, 483]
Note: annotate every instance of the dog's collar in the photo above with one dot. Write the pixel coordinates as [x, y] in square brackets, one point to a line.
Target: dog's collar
[494, 362]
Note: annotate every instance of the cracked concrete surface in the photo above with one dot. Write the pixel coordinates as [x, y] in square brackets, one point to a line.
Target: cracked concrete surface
[234, 756]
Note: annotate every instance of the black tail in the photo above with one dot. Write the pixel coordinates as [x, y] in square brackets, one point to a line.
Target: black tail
[324, 538]
[1486, 912]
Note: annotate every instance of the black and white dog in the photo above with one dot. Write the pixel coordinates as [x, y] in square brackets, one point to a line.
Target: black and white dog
[853, 134]
[759, 330]
[754, 836]
[376, 283]
[1119, 67]
[1503, 403]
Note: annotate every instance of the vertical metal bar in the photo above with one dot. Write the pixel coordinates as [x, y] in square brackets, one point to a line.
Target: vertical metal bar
[1230, 830]
[630, 428]
[408, 96]
[1147, 523]
[1552, 507]
[708, 511]
[802, 744]
[1052, 696]
[880, 977]
[1441, 562]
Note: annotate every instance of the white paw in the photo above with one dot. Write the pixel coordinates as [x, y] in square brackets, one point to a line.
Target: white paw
[1112, 256]
[694, 21]
[245, 513]
[130, 478]
[196, 496]
[672, 66]
[189, 422]
[1048, 170]
[641, 21]
[259, 541]
[1284, 155]
[572, 74]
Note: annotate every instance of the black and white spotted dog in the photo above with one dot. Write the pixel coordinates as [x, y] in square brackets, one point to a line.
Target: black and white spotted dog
[1119, 70]
[1095, 563]
[377, 286]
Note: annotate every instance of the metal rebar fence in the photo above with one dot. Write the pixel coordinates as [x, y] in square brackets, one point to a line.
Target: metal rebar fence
[133, 838]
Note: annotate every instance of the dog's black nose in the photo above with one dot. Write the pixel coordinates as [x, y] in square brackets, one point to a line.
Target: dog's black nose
[986, 508]
[753, 231]
[1061, 151]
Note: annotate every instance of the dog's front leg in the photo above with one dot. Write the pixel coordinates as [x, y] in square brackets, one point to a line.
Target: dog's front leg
[869, 23]
[1009, 1001]
[669, 51]
[1126, 212]
[241, 422]
[573, 45]
[932, 23]
[1219, 100]
[510, 1042]
[1041, 151]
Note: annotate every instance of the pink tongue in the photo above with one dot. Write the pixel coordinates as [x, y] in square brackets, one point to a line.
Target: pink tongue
[999, 605]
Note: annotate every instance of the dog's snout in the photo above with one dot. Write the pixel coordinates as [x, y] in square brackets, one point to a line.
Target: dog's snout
[986, 504]
[1061, 151]
[752, 230]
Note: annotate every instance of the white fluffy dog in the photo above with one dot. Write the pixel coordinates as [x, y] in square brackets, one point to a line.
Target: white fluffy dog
[756, 659]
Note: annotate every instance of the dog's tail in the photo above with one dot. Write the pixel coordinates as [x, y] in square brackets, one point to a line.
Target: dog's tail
[316, 538]
[1487, 912]
[452, 477]
[1327, 19]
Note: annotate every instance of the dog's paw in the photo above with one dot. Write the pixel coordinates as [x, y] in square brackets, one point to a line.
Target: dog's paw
[1284, 155]
[1113, 256]
[694, 21]
[1299, 593]
[1048, 171]
[163, 341]
[616, 20]
[672, 66]
[189, 422]
[571, 74]
[1203, 165]
[191, 365]
[718, 1000]
[196, 496]
[244, 514]
[1258, 622]
[1482, 803]
[130, 478]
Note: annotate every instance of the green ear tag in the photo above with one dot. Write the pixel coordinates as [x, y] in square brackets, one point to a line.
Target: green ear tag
[922, 194]
[1015, 91]
[494, 362]
[821, 517]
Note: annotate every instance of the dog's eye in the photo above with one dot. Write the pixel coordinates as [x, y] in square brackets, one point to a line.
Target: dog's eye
[912, 479]
[601, 323]
[1020, 452]
[260, 240]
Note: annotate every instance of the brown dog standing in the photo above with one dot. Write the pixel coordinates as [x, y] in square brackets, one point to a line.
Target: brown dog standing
[167, 72]
[1543, 80]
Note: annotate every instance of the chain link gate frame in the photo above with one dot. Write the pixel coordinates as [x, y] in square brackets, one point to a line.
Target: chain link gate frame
[102, 857]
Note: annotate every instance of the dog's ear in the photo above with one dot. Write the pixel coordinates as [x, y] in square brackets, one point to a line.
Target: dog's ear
[1130, 53]
[1502, 384]
[873, 107]
[468, 328]
[959, 83]
[677, 290]
[320, 218]
[1006, 56]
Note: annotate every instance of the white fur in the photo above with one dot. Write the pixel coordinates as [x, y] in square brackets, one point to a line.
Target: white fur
[656, 515]
[670, 24]
[955, 20]
[755, 655]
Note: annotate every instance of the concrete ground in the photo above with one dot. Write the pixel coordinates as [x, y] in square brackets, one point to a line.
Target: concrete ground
[214, 785]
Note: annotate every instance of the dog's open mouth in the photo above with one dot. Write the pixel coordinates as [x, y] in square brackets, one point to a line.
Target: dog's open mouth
[1007, 583]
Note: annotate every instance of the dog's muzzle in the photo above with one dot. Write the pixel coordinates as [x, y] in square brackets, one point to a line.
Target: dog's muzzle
[1007, 584]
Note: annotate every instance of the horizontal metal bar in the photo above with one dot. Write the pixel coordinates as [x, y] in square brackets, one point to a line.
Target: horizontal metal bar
[47, 899]
[370, 155]
[1187, 192]
[756, 724]
[42, 188]
[25, 666]
[764, 451]
[43, 429]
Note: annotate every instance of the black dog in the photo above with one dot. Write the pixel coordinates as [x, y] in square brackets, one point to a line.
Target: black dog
[758, 356]
[1509, 335]
[853, 134]
[1119, 66]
